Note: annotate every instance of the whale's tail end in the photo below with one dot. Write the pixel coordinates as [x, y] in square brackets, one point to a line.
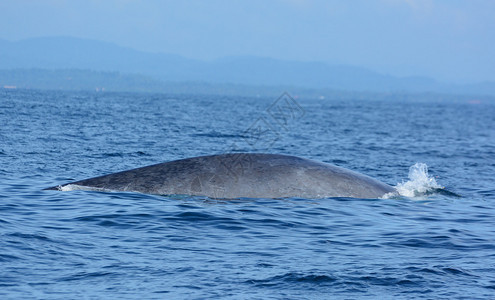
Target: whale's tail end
[53, 188]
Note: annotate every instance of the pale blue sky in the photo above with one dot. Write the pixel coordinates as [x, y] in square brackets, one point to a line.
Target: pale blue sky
[450, 40]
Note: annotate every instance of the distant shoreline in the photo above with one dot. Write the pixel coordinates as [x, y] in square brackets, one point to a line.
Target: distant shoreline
[107, 82]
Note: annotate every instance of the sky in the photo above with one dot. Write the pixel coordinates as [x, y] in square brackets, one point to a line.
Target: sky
[448, 40]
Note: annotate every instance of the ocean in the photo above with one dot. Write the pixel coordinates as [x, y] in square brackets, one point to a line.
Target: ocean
[434, 241]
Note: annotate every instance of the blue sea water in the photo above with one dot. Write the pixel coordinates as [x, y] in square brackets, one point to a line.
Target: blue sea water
[429, 243]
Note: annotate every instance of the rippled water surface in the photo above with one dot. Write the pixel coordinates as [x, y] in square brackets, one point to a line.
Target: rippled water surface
[439, 244]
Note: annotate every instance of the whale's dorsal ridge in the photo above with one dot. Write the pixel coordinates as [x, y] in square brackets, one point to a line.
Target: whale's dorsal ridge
[236, 175]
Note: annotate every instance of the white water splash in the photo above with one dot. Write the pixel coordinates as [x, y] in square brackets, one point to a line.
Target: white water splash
[419, 183]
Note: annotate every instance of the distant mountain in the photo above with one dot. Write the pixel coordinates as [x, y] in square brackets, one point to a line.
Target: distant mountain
[73, 53]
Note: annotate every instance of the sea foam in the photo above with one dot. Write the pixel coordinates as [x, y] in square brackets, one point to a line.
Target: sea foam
[419, 183]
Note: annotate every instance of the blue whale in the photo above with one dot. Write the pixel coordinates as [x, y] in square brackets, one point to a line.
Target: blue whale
[240, 175]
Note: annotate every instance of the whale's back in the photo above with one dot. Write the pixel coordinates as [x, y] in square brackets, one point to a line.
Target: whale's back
[238, 175]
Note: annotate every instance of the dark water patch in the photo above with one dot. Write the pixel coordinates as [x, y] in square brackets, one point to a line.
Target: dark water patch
[187, 286]
[298, 280]
[161, 292]
[8, 257]
[122, 221]
[256, 253]
[194, 216]
[338, 162]
[56, 228]
[219, 135]
[443, 243]
[455, 271]
[231, 227]
[294, 277]
[110, 154]
[425, 270]
[140, 153]
[487, 193]
[444, 192]
[113, 216]
[465, 220]
[335, 243]
[26, 236]
[269, 222]
[81, 276]
[440, 271]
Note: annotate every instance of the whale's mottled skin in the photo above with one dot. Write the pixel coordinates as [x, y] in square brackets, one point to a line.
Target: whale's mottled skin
[239, 175]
